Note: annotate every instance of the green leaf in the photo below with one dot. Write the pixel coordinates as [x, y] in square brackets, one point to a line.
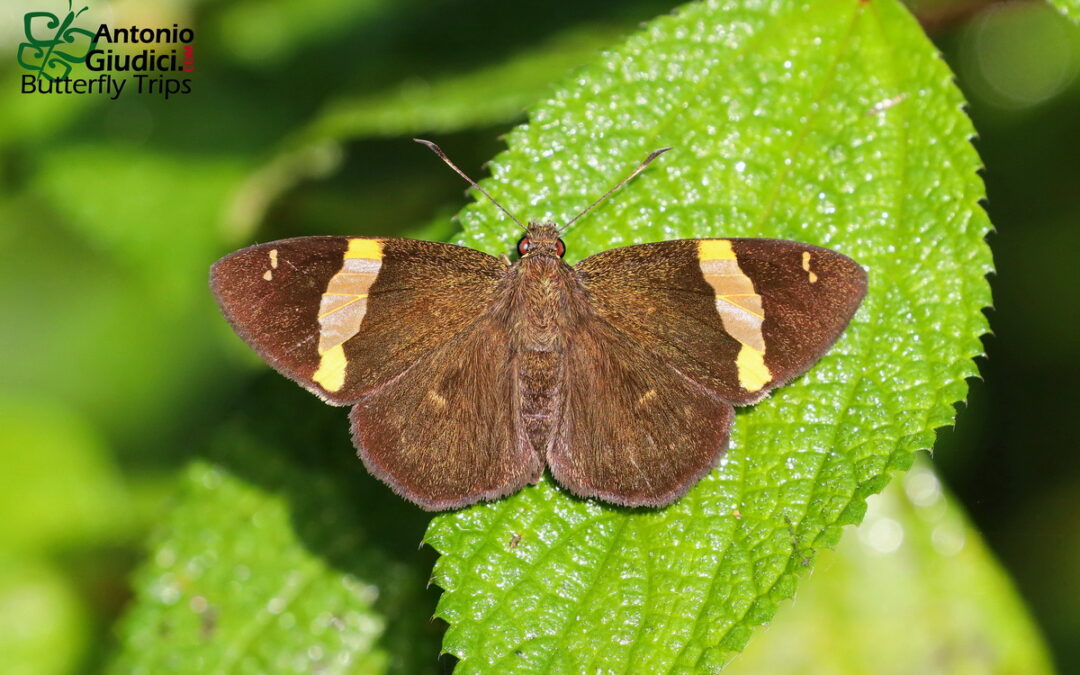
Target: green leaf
[833, 123]
[489, 95]
[166, 232]
[26, 118]
[915, 567]
[265, 33]
[126, 266]
[269, 566]
[1017, 56]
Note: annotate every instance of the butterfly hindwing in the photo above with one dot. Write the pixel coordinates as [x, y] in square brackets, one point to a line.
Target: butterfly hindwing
[632, 430]
[344, 315]
[447, 434]
[738, 316]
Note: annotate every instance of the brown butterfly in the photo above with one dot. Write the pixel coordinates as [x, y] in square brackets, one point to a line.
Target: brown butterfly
[468, 374]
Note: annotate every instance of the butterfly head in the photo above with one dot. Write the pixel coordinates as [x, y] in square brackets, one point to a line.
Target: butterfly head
[541, 239]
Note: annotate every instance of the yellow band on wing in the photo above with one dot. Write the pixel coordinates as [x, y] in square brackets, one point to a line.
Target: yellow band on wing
[331, 373]
[342, 309]
[753, 373]
[364, 248]
[715, 249]
[740, 308]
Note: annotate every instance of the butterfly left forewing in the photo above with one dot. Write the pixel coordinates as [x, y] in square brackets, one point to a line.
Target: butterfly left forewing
[738, 316]
[399, 329]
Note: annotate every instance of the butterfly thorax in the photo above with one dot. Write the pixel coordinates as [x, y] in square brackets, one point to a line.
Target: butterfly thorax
[543, 298]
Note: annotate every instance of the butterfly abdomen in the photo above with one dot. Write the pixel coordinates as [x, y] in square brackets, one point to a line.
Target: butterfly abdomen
[544, 300]
[538, 377]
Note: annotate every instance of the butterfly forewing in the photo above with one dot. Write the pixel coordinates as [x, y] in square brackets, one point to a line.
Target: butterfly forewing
[808, 296]
[738, 316]
[271, 295]
[344, 315]
[679, 332]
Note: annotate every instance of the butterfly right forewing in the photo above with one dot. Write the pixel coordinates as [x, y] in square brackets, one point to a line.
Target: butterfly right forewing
[739, 316]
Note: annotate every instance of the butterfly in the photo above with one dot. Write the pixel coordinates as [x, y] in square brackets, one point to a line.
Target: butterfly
[468, 374]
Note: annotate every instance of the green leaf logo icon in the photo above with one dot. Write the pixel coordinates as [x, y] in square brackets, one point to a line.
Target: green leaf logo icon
[52, 56]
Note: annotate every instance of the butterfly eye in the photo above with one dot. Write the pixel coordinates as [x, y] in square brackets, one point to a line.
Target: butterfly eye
[560, 248]
[524, 245]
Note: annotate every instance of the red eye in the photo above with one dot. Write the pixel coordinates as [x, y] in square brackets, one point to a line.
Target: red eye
[523, 246]
[560, 248]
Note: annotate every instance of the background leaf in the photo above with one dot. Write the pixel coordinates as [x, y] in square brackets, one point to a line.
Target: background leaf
[1005, 41]
[832, 123]
[914, 567]
[1070, 8]
[43, 623]
[262, 34]
[48, 511]
[268, 566]
[482, 96]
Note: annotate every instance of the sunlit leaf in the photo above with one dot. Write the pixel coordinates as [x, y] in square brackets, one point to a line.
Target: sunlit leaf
[266, 32]
[43, 623]
[62, 488]
[496, 93]
[488, 95]
[109, 280]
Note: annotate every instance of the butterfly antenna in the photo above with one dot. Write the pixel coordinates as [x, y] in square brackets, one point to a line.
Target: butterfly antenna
[442, 155]
[641, 167]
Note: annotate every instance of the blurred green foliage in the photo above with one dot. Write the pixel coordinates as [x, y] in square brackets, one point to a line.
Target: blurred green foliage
[125, 402]
[913, 562]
